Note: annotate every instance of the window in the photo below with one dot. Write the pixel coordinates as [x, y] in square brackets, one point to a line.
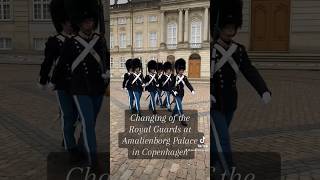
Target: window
[153, 58]
[123, 40]
[5, 10]
[39, 43]
[153, 18]
[122, 62]
[139, 19]
[196, 32]
[111, 41]
[153, 39]
[139, 40]
[111, 62]
[122, 20]
[172, 36]
[41, 9]
[5, 43]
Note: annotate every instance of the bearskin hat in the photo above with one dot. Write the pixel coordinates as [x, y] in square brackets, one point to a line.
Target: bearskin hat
[129, 64]
[227, 12]
[136, 63]
[58, 14]
[180, 64]
[167, 65]
[159, 66]
[152, 65]
[79, 10]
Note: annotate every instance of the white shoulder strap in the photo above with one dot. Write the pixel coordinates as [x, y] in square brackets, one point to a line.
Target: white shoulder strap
[85, 52]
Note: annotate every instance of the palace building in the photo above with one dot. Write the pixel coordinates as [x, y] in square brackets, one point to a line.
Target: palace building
[163, 31]
[291, 26]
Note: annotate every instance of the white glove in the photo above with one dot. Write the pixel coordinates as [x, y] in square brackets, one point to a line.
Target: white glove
[193, 93]
[124, 89]
[266, 97]
[51, 86]
[175, 93]
[41, 86]
[213, 99]
[104, 76]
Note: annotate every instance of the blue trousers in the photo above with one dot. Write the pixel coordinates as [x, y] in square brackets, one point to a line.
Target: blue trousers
[222, 123]
[69, 116]
[88, 108]
[159, 98]
[167, 100]
[137, 97]
[131, 99]
[178, 106]
[152, 103]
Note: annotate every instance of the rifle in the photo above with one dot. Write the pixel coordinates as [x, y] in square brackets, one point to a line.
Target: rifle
[102, 29]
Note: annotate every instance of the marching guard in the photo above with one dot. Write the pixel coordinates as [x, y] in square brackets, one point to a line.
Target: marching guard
[126, 85]
[166, 84]
[159, 90]
[228, 59]
[60, 78]
[136, 82]
[82, 57]
[181, 81]
[151, 84]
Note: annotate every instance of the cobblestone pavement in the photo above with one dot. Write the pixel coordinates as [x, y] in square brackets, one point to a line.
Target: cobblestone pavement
[290, 125]
[29, 128]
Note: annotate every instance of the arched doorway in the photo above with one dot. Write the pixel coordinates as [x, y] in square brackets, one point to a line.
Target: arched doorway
[194, 66]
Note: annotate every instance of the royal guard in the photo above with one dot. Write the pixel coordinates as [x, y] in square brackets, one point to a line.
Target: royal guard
[59, 80]
[159, 90]
[136, 82]
[167, 83]
[151, 84]
[82, 56]
[180, 82]
[228, 60]
[127, 87]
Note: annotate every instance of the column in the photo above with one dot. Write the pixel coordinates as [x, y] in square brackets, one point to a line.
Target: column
[162, 28]
[186, 25]
[180, 34]
[206, 21]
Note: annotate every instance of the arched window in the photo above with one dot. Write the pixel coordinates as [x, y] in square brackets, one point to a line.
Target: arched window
[172, 35]
[196, 32]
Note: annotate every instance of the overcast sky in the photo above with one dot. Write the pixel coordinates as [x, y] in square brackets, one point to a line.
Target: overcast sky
[119, 1]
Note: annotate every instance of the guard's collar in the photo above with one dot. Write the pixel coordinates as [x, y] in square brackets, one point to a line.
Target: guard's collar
[64, 34]
[85, 36]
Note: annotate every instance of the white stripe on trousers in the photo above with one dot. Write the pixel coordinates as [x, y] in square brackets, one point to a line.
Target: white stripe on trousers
[137, 107]
[219, 147]
[151, 99]
[129, 100]
[168, 101]
[84, 126]
[62, 121]
[177, 104]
